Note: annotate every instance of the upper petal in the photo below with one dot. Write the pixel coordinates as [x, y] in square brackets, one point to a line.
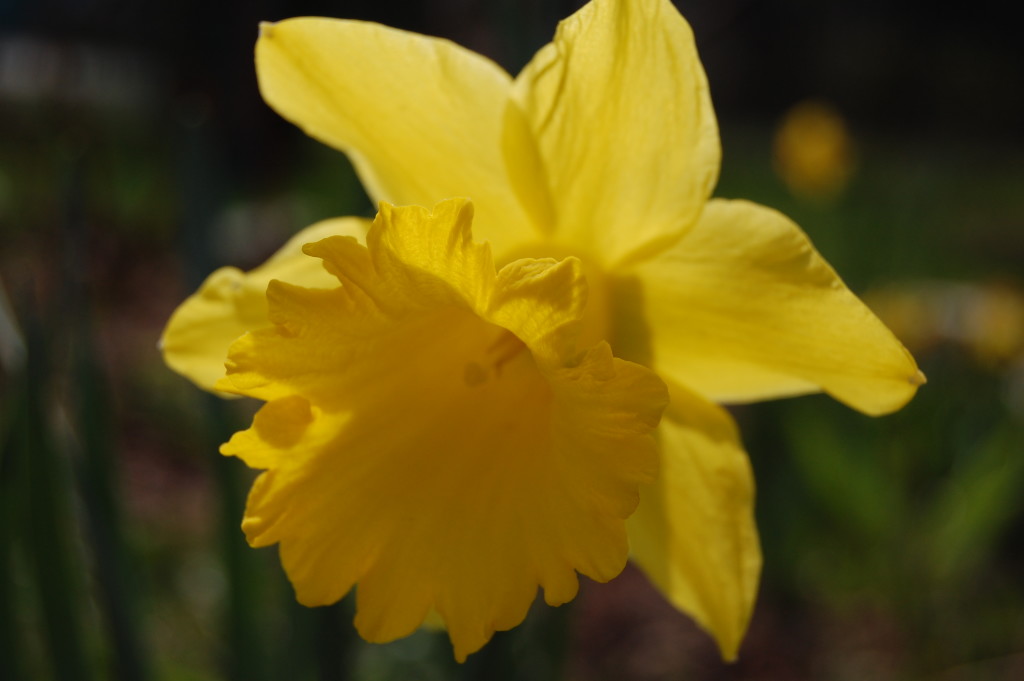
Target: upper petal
[420, 117]
[744, 308]
[694, 533]
[619, 108]
[230, 302]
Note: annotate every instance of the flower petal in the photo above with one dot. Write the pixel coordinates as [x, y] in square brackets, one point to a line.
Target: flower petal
[231, 302]
[619, 107]
[421, 118]
[744, 308]
[694, 533]
[425, 440]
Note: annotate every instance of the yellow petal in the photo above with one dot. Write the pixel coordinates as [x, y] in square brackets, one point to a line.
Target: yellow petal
[276, 429]
[619, 106]
[421, 118]
[744, 308]
[426, 440]
[694, 533]
[231, 302]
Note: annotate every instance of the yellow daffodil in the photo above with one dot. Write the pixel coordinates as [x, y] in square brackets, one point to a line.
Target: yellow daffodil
[448, 429]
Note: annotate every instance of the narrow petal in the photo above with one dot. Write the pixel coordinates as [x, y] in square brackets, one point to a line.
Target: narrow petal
[420, 117]
[619, 108]
[694, 533]
[231, 302]
[744, 308]
[426, 442]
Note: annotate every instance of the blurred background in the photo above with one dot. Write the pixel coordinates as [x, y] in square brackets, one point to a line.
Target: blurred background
[136, 156]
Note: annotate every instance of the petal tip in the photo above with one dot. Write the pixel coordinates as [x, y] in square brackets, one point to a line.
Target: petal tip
[918, 379]
[266, 29]
[224, 384]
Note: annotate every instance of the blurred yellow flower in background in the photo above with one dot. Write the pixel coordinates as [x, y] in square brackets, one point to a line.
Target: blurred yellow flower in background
[601, 156]
[814, 152]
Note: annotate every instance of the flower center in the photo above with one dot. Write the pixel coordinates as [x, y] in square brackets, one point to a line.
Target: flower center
[505, 348]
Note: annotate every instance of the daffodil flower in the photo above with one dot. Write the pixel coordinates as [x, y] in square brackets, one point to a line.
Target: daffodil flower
[467, 417]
